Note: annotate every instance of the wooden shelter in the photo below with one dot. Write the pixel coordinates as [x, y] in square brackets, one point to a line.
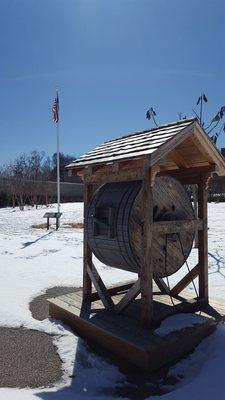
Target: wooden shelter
[181, 150]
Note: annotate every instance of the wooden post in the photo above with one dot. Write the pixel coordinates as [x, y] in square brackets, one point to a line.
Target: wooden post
[203, 239]
[87, 254]
[195, 198]
[146, 274]
[57, 223]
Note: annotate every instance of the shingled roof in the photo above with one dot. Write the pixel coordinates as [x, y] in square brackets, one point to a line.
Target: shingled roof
[131, 146]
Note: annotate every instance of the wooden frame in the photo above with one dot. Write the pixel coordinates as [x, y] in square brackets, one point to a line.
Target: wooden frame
[171, 157]
[144, 283]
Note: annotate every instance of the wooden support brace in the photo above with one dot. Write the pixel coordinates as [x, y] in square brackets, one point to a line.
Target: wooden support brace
[100, 287]
[132, 293]
[181, 285]
[113, 290]
[146, 274]
[162, 227]
[162, 285]
[87, 255]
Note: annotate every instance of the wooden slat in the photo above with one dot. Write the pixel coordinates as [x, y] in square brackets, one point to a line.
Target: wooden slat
[163, 227]
[193, 171]
[121, 175]
[184, 282]
[161, 285]
[146, 274]
[87, 254]
[100, 287]
[128, 297]
[178, 159]
[114, 290]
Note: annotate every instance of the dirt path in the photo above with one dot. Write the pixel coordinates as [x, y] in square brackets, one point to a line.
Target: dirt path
[28, 358]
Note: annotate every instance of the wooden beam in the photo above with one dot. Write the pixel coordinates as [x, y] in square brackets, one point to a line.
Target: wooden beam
[161, 285]
[114, 290]
[178, 159]
[87, 254]
[193, 171]
[132, 293]
[163, 227]
[146, 274]
[181, 285]
[203, 239]
[100, 287]
[108, 175]
[194, 139]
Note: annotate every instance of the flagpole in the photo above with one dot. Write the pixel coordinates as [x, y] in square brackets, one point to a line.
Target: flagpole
[58, 170]
[58, 162]
[55, 110]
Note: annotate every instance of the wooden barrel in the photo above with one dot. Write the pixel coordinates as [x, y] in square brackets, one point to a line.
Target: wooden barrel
[114, 222]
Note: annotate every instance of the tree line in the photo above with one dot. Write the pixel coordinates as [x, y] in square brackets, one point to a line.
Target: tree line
[23, 180]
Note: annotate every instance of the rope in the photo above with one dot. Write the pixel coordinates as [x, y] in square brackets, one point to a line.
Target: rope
[189, 271]
[167, 279]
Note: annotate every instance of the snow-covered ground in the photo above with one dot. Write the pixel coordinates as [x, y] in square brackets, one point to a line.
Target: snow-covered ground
[32, 260]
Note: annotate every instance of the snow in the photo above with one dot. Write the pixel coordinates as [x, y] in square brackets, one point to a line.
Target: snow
[32, 260]
[178, 322]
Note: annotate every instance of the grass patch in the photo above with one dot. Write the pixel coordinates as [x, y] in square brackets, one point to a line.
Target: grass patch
[77, 225]
[39, 226]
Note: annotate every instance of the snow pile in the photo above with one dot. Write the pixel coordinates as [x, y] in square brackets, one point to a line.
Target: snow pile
[202, 373]
[178, 322]
[32, 260]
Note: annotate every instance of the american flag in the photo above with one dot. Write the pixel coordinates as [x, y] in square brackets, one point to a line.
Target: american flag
[55, 109]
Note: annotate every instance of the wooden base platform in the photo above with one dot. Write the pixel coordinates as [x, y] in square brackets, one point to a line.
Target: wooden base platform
[122, 334]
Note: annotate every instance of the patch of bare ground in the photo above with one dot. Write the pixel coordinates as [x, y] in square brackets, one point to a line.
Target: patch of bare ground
[75, 225]
[28, 359]
[39, 226]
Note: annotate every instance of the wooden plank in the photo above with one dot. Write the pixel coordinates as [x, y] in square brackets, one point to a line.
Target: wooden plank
[193, 171]
[161, 285]
[114, 290]
[87, 254]
[203, 239]
[128, 297]
[182, 284]
[163, 227]
[146, 274]
[121, 175]
[178, 159]
[100, 286]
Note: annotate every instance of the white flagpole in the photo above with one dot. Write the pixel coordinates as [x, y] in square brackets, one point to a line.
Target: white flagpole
[58, 170]
[58, 166]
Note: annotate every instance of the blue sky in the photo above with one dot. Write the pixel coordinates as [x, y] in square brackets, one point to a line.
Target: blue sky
[111, 60]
